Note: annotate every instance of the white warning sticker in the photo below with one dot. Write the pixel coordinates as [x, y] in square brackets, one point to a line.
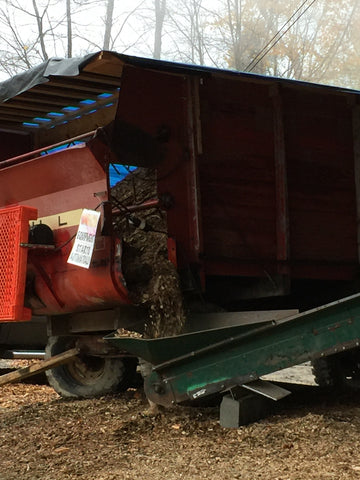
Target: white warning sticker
[82, 250]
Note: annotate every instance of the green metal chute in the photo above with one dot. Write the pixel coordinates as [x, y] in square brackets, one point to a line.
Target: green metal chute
[199, 364]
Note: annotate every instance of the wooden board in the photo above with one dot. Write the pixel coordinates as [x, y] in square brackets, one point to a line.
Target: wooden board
[39, 367]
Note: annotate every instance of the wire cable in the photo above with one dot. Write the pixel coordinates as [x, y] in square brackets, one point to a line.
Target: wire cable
[269, 46]
[276, 34]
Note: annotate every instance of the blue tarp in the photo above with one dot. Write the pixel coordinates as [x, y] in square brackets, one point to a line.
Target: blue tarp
[118, 173]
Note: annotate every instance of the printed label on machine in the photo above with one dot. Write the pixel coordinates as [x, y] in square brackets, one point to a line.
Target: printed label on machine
[83, 247]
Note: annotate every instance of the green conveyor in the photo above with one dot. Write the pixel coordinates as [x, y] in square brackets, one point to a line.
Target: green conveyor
[198, 364]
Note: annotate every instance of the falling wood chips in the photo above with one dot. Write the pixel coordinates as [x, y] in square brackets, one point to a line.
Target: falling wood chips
[151, 278]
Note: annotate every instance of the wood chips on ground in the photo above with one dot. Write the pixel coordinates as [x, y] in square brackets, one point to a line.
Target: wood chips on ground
[313, 435]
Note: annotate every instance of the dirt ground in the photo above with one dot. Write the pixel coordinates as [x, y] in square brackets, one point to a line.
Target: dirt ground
[311, 435]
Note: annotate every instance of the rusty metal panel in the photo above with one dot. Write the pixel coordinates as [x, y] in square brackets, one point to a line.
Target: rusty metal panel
[153, 101]
[321, 178]
[277, 180]
[237, 174]
[56, 182]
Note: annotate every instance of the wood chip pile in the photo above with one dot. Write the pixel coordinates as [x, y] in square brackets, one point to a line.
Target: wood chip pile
[151, 278]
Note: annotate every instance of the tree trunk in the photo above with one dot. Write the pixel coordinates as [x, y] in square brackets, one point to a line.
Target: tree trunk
[160, 8]
[108, 24]
[39, 22]
[69, 28]
[234, 11]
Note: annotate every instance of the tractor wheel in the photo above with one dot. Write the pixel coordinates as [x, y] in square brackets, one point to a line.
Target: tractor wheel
[325, 372]
[341, 370]
[87, 376]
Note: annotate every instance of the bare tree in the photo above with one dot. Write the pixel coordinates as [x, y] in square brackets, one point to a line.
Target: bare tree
[120, 18]
[234, 13]
[40, 25]
[308, 40]
[108, 23]
[188, 19]
[69, 28]
[321, 44]
[24, 33]
[160, 9]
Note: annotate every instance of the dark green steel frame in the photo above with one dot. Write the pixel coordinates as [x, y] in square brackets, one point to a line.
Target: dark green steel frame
[199, 364]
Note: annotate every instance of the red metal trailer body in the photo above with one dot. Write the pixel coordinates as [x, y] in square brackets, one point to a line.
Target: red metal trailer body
[263, 173]
[259, 176]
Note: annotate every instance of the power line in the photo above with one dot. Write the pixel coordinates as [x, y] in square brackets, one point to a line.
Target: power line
[269, 46]
[276, 34]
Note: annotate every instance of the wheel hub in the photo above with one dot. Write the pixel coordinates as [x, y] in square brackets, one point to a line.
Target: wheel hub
[86, 370]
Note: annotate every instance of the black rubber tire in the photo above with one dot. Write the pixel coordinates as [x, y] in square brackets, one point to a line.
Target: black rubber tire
[340, 371]
[326, 373]
[87, 376]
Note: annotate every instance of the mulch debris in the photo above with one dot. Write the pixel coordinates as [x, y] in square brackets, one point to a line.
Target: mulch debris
[313, 436]
[151, 278]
